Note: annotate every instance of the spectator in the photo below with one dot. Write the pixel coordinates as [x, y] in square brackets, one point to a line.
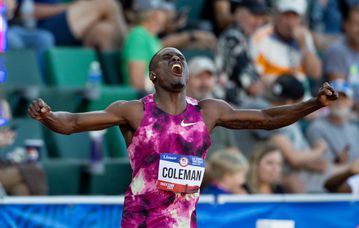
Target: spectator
[220, 13]
[304, 169]
[201, 85]
[342, 57]
[265, 170]
[233, 56]
[340, 134]
[7, 135]
[20, 37]
[142, 42]
[286, 47]
[346, 181]
[228, 169]
[17, 179]
[95, 23]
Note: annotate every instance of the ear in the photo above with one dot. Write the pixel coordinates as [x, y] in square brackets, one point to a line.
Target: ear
[153, 76]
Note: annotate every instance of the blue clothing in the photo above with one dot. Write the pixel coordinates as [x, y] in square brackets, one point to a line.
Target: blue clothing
[42, 1]
[47, 1]
[37, 39]
[214, 189]
[60, 28]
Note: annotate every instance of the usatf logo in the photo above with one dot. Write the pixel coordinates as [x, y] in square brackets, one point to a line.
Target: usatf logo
[183, 161]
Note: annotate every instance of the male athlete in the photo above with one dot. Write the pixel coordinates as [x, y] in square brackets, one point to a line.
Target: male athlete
[167, 135]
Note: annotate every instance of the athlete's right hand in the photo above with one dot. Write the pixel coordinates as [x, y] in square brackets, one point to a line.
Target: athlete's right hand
[38, 109]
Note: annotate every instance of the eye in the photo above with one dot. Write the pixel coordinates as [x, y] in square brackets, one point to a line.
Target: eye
[166, 56]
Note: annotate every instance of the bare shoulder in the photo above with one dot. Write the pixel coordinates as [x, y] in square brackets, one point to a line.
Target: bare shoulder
[213, 105]
[131, 105]
[126, 108]
[211, 110]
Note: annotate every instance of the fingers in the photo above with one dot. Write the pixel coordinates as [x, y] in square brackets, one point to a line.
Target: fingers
[329, 91]
[38, 109]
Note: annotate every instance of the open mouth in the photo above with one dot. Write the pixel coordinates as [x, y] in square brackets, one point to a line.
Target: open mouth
[177, 69]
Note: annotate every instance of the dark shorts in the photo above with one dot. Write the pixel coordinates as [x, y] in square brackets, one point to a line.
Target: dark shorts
[60, 28]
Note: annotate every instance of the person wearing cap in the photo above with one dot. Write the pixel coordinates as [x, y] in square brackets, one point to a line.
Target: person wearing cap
[341, 59]
[305, 169]
[202, 78]
[337, 129]
[233, 55]
[286, 46]
[142, 42]
[201, 85]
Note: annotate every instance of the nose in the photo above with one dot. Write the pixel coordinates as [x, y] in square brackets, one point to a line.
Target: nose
[175, 58]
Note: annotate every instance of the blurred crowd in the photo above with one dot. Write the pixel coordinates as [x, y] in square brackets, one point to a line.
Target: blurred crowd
[264, 53]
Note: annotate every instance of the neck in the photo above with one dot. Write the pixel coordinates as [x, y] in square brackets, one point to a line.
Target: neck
[265, 188]
[353, 45]
[151, 27]
[172, 103]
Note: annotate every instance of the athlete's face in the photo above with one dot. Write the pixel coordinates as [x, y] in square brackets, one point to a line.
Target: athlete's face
[171, 71]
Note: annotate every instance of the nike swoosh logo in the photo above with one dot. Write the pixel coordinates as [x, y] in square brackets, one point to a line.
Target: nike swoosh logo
[183, 124]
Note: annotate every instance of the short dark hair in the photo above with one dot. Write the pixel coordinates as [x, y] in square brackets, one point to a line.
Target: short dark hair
[348, 10]
[152, 65]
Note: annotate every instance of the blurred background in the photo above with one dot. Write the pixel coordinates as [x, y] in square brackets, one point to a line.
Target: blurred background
[82, 55]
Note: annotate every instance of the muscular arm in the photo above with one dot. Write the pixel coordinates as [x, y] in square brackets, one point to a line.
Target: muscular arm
[68, 123]
[220, 113]
[267, 119]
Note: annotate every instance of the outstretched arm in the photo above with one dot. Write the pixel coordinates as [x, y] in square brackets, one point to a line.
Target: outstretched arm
[68, 123]
[226, 116]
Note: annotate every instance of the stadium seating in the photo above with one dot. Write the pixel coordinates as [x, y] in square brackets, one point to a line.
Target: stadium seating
[115, 179]
[62, 99]
[23, 79]
[115, 144]
[63, 176]
[68, 67]
[110, 95]
[110, 63]
[22, 70]
[190, 53]
[75, 146]
[195, 8]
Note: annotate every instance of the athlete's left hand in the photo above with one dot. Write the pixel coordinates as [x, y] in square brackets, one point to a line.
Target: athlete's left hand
[326, 94]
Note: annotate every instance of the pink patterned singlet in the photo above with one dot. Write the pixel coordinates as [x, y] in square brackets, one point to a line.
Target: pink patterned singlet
[160, 133]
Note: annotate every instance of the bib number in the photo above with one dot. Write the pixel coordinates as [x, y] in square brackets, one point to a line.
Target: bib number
[180, 173]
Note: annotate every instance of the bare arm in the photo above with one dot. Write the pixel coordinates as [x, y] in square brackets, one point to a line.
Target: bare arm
[311, 63]
[222, 13]
[68, 123]
[337, 183]
[197, 39]
[220, 113]
[309, 160]
[136, 71]
[43, 11]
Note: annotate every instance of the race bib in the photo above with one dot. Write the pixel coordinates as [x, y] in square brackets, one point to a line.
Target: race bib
[180, 173]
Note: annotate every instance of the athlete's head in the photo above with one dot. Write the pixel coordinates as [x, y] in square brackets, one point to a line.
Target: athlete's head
[169, 70]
